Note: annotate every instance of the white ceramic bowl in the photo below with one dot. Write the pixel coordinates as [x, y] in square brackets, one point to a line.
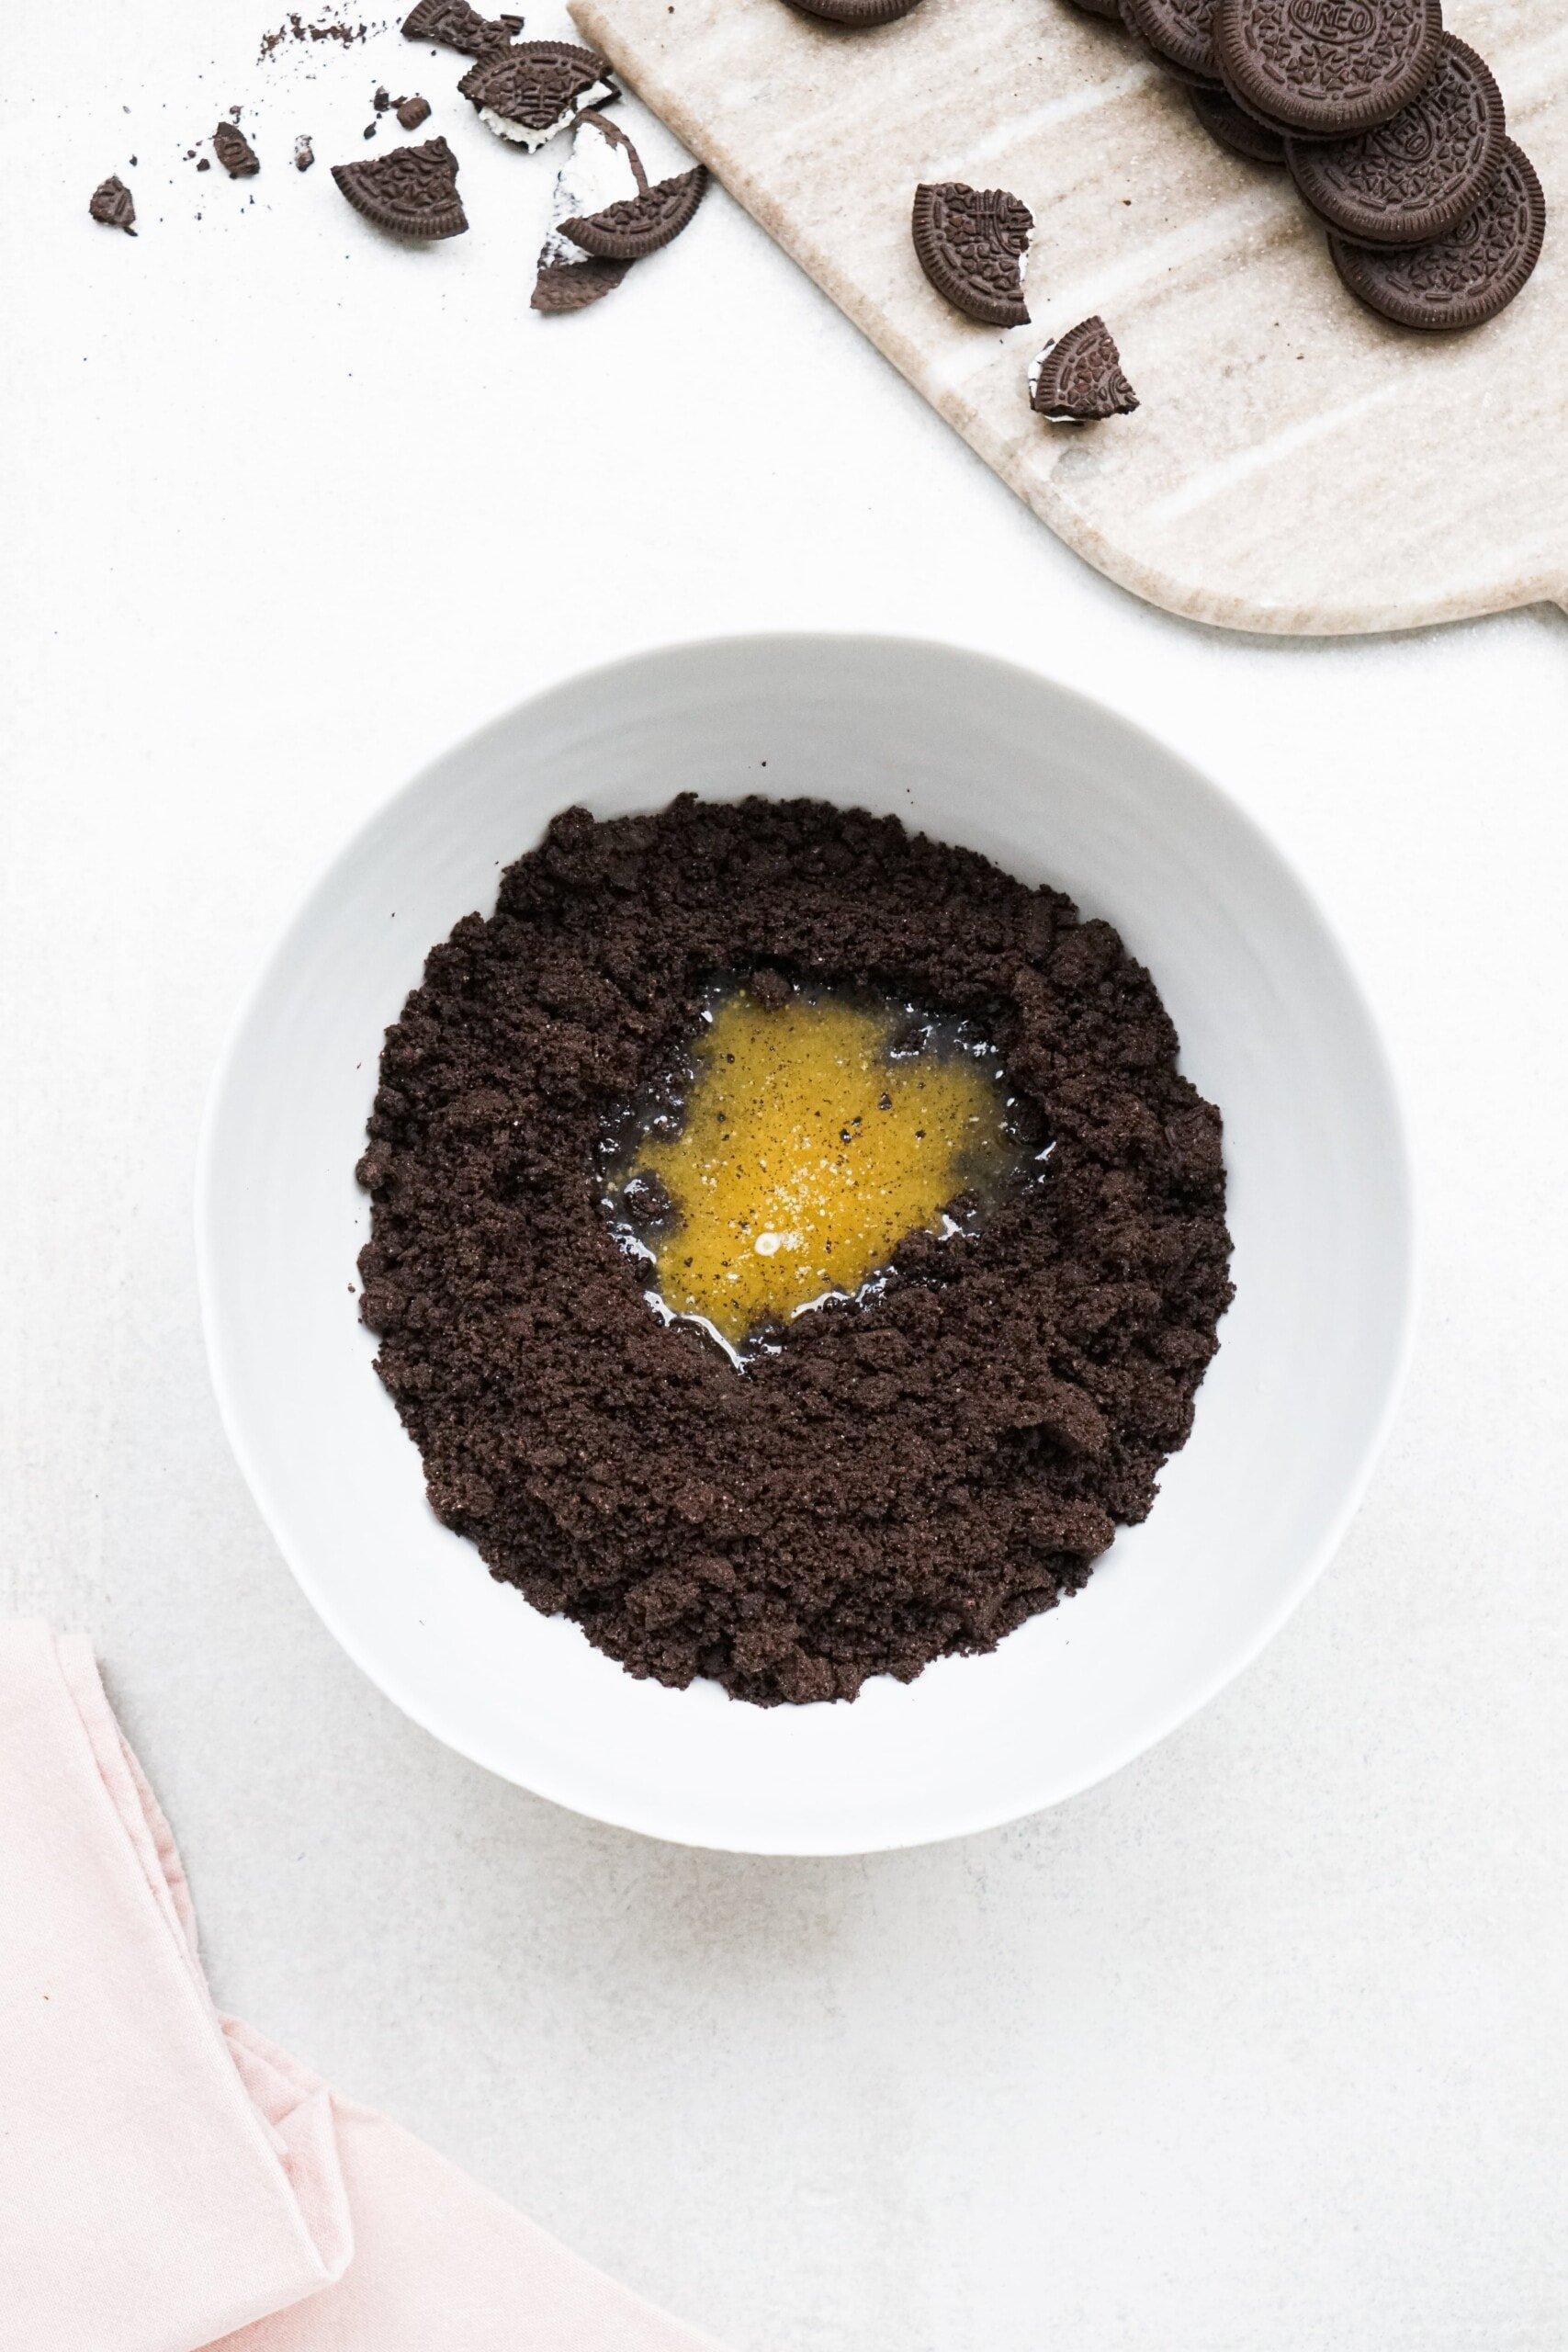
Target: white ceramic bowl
[1273, 1028]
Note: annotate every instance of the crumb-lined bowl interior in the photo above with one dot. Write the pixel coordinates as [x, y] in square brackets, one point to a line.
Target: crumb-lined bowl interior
[1274, 1029]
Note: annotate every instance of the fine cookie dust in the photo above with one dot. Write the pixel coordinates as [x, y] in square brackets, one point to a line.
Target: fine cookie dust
[918, 1463]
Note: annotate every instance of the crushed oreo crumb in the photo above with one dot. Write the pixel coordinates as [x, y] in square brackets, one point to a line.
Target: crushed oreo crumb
[234, 152]
[111, 202]
[904, 1475]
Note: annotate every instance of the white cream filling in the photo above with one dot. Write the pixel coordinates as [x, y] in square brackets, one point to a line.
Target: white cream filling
[597, 173]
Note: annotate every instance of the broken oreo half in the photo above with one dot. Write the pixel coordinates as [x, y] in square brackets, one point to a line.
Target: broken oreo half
[1465, 278]
[536, 88]
[1415, 177]
[412, 191]
[111, 202]
[1078, 380]
[973, 244]
[641, 224]
[1326, 69]
[453, 24]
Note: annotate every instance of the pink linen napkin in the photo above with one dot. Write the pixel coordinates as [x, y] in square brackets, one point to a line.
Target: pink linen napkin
[168, 2179]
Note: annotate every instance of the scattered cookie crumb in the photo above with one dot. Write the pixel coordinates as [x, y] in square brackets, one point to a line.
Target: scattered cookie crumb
[112, 204]
[234, 152]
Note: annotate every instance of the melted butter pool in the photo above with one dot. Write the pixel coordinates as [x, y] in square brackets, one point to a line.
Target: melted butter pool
[804, 1140]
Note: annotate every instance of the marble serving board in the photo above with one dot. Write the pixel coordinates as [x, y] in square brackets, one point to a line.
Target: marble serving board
[1296, 464]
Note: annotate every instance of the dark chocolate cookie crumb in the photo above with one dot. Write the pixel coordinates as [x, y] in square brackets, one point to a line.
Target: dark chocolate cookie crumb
[234, 152]
[642, 224]
[338, 29]
[908, 1476]
[111, 202]
[412, 111]
[1465, 278]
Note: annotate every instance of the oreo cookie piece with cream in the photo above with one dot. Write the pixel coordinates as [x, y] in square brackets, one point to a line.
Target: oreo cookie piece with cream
[601, 171]
[536, 89]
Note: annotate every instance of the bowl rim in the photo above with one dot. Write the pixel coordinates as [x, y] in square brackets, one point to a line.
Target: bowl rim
[974, 1819]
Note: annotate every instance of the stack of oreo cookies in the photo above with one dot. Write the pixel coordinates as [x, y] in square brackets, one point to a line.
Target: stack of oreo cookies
[1392, 130]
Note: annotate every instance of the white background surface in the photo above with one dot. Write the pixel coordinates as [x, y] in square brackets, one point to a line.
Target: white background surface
[1258, 2043]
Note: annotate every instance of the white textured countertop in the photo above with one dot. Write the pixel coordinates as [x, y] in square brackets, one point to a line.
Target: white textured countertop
[1260, 2044]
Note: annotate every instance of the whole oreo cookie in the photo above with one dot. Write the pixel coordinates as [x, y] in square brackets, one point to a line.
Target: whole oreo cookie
[1242, 134]
[234, 152]
[856, 14]
[111, 202]
[1465, 278]
[558, 291]
[973, 244]
[1414, 178]
[1180, 32]
[1326, 69]
[1185, 75]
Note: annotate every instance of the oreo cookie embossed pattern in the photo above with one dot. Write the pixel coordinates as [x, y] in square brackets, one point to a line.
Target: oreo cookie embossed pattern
[1395, 133]
[1414, 177]
[1327, 68]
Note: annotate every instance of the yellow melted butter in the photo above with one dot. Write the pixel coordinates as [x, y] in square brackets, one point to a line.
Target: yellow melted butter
[807, 1152]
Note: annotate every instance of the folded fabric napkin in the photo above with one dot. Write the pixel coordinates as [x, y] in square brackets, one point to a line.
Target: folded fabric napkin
[168, 2179]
